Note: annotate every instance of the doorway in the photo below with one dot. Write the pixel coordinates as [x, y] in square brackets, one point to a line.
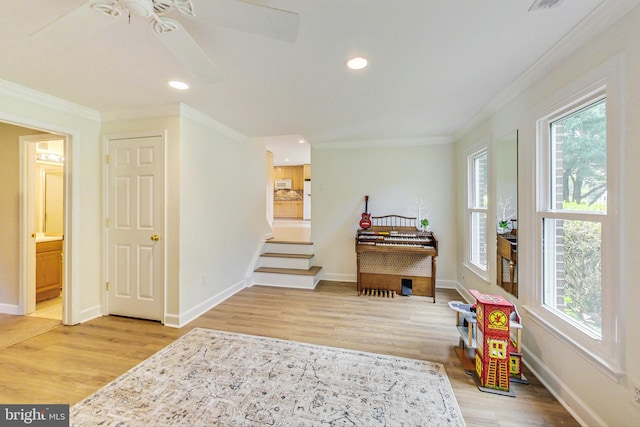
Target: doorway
[289, 187]
[136, 233]
[44, 214]
[18, 254]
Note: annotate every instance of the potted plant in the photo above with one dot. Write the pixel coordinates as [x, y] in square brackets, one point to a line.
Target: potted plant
[504, 204]
[425, 224]
[503, 226]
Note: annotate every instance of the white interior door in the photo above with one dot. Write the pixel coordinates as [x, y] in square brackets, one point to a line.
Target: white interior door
[29, 219]
[136, 227]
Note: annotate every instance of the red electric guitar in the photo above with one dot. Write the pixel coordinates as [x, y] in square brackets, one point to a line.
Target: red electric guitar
[365, 222]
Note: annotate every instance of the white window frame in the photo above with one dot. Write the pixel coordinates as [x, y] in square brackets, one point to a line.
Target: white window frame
[478, 269]
[605, 351]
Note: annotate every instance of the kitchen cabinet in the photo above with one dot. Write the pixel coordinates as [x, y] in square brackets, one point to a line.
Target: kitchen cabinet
[287, 209]
[294, 173]
[48, 269]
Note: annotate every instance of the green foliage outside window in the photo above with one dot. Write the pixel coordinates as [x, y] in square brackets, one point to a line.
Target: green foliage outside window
[580, 153]
[582, 267]
[585, 154]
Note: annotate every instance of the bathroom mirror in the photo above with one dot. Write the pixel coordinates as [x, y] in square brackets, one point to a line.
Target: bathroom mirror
[507, 212]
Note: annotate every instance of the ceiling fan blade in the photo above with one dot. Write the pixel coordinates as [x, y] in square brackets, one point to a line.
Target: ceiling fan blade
[257, 19]
[189, 53]
[68, 27]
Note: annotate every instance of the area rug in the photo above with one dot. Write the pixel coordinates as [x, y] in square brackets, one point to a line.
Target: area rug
[209, 377]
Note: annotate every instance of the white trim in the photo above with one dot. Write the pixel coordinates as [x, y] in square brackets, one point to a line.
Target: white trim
[338, 277]
[470, 156]
[446, 284]
[163, 135]
[203, 119]
[589, 355]
[180, 320]
[34, 97]
[15, 309]
[71, 294]
[473, 269]
[400, 142]
[145, 113]
[604, 16]
[566, 396]
[607, 353]
[253, 264]
[90, 313]
[351, 278]
[175, 110]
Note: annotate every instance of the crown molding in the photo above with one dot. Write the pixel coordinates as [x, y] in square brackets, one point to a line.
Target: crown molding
[602, 17]
[176, 110]
[398, 142]
[203, 119]
[141, 113]
[16, 91]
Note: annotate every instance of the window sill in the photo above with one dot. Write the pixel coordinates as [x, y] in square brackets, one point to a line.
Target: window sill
[611, 370]
[481, 274]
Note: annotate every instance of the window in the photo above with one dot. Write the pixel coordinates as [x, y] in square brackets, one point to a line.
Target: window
[577, 293]
[572, 215]
[477, 210]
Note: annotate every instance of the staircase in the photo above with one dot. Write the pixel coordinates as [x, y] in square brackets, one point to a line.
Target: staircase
[287, 264]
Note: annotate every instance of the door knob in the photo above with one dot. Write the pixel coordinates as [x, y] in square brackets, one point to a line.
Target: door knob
[155, 237]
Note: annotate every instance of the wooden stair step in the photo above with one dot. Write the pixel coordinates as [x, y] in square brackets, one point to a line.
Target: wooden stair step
[310, 272]
[288, 242]
[277, 255]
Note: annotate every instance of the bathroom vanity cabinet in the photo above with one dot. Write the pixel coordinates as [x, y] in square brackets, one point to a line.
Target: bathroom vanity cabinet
[48, 269]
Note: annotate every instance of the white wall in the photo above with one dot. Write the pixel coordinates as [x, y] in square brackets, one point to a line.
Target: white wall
[222, 211]
[215, 223]
[168, 124]
[33, 110]
[393, 177]
[595, 398]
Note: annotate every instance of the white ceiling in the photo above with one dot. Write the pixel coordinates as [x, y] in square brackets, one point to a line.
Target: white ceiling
[434, 64]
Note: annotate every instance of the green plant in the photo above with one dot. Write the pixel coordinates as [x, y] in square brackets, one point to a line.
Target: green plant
[582, 272]
[503, 223]
[424, 222]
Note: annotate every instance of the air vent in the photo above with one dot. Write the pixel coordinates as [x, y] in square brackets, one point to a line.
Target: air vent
[162, 6]
[544, 4]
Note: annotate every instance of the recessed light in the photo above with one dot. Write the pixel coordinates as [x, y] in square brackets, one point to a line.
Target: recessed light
[301, 141]
[178, 85]
[357, 63]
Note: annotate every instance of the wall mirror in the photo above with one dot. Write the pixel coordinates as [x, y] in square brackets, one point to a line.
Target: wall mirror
[507, 212]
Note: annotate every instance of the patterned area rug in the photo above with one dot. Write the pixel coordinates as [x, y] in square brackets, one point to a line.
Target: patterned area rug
[218, 378]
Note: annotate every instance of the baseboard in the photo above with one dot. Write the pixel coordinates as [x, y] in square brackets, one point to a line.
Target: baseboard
[172, 320]
[335, 277]
[465, 293]
[254, 259]
[178, 321]
[11, 309]
[567, 398]
[91, 313]
[447, 284]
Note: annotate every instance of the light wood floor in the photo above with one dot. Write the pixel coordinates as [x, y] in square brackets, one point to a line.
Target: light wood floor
[49, 309]
[291, 230]
[70, 362]
[14, 329]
